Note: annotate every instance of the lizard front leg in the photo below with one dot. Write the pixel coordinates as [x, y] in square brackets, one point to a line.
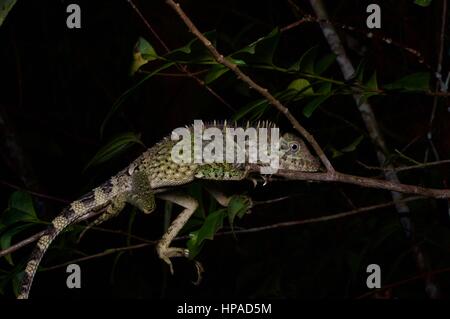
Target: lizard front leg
[165, 252]
[113, 209]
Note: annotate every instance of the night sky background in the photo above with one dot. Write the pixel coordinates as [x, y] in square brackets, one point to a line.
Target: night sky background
[58, 85]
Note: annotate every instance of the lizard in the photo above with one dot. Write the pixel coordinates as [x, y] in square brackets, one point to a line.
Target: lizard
[156, 173]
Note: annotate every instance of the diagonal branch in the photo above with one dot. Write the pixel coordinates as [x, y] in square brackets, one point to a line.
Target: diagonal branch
[245, 78]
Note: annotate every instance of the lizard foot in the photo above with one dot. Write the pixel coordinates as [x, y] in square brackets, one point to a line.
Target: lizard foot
[166, 253]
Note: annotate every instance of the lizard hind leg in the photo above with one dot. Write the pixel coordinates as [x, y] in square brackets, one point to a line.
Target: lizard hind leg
[113, 209]
[165, 252]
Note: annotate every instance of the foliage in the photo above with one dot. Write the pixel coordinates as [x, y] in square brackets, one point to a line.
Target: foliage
[107, 78]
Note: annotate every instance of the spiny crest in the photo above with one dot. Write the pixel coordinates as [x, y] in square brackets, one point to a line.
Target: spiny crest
[223, 124]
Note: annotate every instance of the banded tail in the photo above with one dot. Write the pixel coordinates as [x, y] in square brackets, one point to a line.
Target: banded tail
[107, 197]
[63, 220]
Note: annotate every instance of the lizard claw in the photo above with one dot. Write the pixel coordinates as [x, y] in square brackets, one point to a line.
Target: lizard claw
[200, 271]
[166, 253]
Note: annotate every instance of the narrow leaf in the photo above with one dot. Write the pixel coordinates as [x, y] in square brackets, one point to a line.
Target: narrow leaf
[143, 53]
[128, 92]
[309, 109]
[212, 224]
[306, 62]
[413, 82]
[260, 51]
[215, 72]
[423, 3]
[324, 63]
[114, 147]
[5, 7]
[353, 145]
[372, 83]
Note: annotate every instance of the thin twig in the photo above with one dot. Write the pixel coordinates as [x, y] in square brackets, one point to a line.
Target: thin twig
[182, 68]
[405, 168]
[241, 231]
[56, 199]
[102, 254]
[245, 78]
[180, 75]
[440, 85]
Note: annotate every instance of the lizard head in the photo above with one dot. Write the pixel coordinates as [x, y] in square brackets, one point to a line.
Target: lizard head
[294, 155]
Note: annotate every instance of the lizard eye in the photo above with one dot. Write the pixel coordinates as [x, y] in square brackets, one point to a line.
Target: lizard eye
[294, 147]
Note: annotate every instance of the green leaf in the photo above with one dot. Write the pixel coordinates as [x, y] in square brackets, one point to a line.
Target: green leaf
[215, 72]
[325, 90]
[349, 148]
[324, 63]
[128, 92]
[238, 206]
[20, 209]
[335, 152]
[359, 73]
[423, 3]
[372, 83]
[114, 147]
[16, 281]
[413, 82]
[301, 85]
[260, 51]
[353, 145]
[194, 51]
[5, 240]
[306, 62]
[143, 53]
[309, 109]
[212, 224]
[251, 107]
[22, 201]
[5, 7]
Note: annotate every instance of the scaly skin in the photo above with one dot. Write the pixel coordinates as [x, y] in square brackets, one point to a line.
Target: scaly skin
[155, 171]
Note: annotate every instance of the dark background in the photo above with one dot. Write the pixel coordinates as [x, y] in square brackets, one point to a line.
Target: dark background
[57, 85]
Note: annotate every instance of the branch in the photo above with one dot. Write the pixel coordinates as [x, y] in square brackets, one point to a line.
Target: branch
[366, 182]
[405, 168]
[245, 78]
[56, 199]
[23, 243]
[235, 232]
[35, 237]
[376, 135]
[331, 175]
[182, 68]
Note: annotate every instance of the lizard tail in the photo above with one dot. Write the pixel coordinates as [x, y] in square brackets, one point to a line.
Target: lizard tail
[58, 225]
